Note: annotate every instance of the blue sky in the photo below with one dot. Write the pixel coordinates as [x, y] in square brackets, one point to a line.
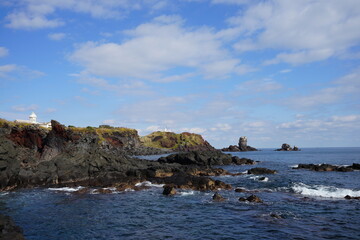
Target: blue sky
[275, 71]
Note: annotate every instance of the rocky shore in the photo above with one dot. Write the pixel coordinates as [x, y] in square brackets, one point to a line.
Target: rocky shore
[328, 167]
[31, 156]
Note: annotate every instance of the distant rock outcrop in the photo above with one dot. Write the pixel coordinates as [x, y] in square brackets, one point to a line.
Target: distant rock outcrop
[183, 142]
[287, 147]
[241, 147]
[328, 167]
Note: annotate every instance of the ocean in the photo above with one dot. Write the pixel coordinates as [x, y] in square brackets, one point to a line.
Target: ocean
[298, 204]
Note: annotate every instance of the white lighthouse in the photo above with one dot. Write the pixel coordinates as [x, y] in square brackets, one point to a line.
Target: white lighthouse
[32, 120]
[32, 117]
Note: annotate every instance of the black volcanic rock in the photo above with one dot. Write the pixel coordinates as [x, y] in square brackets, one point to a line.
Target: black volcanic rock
[259, 171]
[31, 156]
[205, 158]
[328, 167]
[241, 147]
[287, 147]
[218, 198]
[251, 198]
[9, 230]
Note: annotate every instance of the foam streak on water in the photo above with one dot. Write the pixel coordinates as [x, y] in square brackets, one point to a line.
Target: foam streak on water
[323, 191]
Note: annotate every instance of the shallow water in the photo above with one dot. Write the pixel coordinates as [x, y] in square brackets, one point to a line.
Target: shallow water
[310, 205]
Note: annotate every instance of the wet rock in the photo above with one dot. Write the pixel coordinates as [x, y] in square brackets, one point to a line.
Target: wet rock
[240, 190]
[82, 191]
[259, 171]
[276, 216]
[251, 198]
[103, 191]
[9, 230]
[262, 178]
[169, 190]
[328, 167]
[218, 198]
[350, 197]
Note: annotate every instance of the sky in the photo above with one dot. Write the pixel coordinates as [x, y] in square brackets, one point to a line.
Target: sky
[276, 71]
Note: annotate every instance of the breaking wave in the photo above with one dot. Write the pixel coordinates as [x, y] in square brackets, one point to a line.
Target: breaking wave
[148, 184]
[66, 189]
[323, 191]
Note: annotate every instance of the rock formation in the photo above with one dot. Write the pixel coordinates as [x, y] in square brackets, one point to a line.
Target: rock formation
[182, 142]
[287, 147]
[67, 156]
[241, 147]
[9, 230]
[328, 167]
[205, 158]
[251, 198]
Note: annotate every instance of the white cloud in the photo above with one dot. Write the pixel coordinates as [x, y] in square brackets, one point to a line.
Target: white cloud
[26, 21]
[57, 36]
[24, 108]
[7, 68]
[344, 88]
[221, 127]
[236, 2]
[36, 14]
[109, 122]
[13, 71]
[305, 31]
[262, 85]
[194, 130]
[3, 52]
[156, 47]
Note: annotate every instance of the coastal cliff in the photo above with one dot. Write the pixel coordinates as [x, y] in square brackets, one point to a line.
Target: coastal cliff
[32, 156]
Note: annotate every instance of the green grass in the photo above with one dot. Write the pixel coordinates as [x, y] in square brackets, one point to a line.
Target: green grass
[171, 140]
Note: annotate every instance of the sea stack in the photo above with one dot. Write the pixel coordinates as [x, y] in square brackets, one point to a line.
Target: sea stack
[241, 147]
[243, 143]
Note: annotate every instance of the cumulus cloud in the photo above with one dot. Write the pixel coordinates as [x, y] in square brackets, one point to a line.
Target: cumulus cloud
[346, 87]
[24, 108]
[3, 51]
[37, 14]
[157, 47]
[257, 86]
[14, 72]
[56, 36]
[305, 31]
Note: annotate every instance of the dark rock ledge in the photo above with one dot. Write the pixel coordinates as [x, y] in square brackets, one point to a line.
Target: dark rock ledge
[328, 167]
[9, 230]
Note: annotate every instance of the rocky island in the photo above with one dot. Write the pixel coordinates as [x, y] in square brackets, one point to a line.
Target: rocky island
[287, 147]
[241, 147]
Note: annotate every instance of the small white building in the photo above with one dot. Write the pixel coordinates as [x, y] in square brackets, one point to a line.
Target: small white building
[32, 120]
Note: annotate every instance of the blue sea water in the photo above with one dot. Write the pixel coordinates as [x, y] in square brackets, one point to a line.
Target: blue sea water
[311, 206]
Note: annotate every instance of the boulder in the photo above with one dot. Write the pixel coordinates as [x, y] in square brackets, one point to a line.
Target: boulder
[348, 197]
[169, 190]
[218, 198]
[259, 171]
[9, 230]
[251, 198]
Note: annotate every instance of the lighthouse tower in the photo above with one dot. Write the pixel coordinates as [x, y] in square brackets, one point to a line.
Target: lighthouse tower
[32, 117]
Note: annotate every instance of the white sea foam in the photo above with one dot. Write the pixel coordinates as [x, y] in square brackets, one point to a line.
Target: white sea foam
[66, 189]
[148, 184]
[259, 178]
[323, 191]
[294, 166]
[187, 193]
